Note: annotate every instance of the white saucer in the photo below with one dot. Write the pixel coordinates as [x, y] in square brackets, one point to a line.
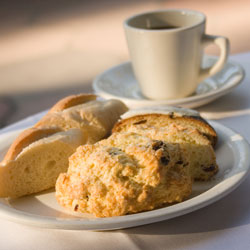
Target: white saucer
[119, 82]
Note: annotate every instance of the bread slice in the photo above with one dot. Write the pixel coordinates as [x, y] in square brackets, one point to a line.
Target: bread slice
[25, 139]
[37, 165]
[72, 100]
[96, 118]
[195, 137]
[126, 173]
[39, 154]
[164, 116]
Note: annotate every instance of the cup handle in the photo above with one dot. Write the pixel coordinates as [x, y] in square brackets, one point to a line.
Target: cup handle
[223, 44]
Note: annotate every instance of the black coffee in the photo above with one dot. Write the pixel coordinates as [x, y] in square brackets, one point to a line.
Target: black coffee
[167, 27]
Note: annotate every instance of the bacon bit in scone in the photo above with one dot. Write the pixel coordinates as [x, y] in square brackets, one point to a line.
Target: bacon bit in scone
[76, 207]
[209, 169]
[161, 146]
[164, 160]
[140, 122]
[171, 115]
[179, 162]
[157, 145]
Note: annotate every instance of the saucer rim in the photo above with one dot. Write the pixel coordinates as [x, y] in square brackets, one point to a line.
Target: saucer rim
[215, 93]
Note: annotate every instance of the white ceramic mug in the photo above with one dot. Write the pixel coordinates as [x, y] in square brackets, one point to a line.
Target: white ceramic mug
[166, 49]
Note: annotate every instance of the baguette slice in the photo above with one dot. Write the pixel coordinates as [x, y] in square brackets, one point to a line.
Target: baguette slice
[96, 118]
[24, 139]
[39, 154]
[39, 163]
[71, 101]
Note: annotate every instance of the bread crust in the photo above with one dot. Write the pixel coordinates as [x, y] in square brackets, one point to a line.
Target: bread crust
[38, 165]
[196, 121]
[26, 138]
[97, 119]
[41, 151]
[71, 101]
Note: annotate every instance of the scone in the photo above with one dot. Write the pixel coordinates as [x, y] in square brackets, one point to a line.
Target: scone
[195, 147]
[115, 177]
[164, 116]
[194, 136]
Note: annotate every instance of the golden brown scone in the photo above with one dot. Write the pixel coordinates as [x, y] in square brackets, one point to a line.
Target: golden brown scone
[176, 125]
[107, 180]
[196, 148]
[123, 140]
[39, 154]
[164, 116]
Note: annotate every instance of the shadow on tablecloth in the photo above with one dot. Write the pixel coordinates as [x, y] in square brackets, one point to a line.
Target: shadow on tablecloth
[231, 211]
[234, 104]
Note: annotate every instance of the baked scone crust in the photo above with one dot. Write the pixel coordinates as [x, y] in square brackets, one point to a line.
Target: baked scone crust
[164, 120]
[194, 135]
[105, 179]
[194, 146]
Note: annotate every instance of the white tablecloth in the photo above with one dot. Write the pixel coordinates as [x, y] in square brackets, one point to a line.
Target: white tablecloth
[222, 225]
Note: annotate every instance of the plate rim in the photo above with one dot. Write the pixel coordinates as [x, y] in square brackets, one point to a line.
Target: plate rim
[211, 94]
[138, 219]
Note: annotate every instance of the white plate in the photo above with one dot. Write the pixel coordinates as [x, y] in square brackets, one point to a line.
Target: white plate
[119, 82]
[42, 210]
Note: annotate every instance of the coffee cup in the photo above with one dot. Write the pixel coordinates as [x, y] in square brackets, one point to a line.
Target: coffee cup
[166, 50]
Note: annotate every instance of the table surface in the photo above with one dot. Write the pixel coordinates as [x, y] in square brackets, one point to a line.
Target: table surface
[222, 225]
